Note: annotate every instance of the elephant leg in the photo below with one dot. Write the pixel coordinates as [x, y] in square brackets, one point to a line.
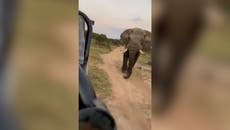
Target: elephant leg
[169, 88]
[165, 74]
[132, 61]
[159, 34]
[125, 60]
[167, 62]
[165, 77]
[165, 89]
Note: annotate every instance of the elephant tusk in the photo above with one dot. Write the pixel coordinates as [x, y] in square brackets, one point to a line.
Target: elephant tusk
[124, 50]
[141, 51]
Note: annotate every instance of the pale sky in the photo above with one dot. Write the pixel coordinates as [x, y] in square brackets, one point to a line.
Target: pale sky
[112, 17]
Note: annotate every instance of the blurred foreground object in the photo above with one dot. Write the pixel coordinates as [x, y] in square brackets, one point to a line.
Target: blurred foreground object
[177, 25]
[7, 14]
[175, 31]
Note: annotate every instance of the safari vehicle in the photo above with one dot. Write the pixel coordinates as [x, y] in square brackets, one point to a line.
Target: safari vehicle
[93, 113]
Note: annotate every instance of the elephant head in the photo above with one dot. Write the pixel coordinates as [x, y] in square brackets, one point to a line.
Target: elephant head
[135, 40]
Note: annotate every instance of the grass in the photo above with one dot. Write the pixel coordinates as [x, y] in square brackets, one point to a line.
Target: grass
[96, 51]
[145, 59]
[98, 77]
[100, 81]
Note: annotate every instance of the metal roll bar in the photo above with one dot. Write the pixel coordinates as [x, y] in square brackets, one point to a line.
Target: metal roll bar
[91, 109]
[88, 38]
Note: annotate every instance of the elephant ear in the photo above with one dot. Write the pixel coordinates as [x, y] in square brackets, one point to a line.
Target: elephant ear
[147, 40]
[125, 36]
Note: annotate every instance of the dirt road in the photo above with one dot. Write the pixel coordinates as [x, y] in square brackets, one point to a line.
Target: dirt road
[131, 98]
[202, 101]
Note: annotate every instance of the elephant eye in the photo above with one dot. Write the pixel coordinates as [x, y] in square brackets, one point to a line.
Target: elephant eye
[129, 38]
[143, 39]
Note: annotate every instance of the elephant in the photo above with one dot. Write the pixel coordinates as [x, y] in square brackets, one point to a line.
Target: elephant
[176, 27]
[175, 32]
[135, 41]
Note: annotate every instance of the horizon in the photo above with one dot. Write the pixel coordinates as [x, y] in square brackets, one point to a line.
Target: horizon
[112, 18]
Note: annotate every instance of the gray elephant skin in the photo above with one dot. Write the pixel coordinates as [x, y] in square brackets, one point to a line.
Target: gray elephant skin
[175, 32]
[135, 41]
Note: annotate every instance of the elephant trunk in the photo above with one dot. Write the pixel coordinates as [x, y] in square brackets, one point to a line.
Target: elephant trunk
[133, 54]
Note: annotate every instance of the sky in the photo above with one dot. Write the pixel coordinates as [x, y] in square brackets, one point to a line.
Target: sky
[112, 17]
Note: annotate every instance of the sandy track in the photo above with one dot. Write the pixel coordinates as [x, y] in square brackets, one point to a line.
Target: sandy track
[202, 101]
[131, 99]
